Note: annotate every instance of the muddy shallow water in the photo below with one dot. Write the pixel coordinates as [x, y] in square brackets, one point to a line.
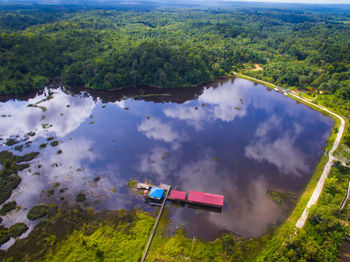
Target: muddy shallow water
[231, 137]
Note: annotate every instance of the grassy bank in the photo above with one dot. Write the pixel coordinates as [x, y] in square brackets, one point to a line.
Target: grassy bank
[226, 247]
[75, 234]
[322, 236]
[121, 238]
[125, 241]
[254, 80]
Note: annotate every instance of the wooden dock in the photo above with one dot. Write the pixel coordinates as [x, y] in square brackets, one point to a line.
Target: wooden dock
[167, 188]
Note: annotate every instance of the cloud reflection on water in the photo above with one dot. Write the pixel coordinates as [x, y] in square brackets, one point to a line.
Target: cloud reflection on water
[69, 169]
[223, 103]
[156, 161]
[63, 119]
[246, 217]
[155, 129]
[236, 139]
[249, 212]
[278, 148]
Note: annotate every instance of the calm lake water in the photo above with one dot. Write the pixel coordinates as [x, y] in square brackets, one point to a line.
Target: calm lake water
[231, 137]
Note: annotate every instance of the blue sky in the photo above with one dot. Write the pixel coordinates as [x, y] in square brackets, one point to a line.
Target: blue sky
[330, 2]
[301, 1]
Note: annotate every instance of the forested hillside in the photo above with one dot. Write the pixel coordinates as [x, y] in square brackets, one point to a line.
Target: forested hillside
[105, 49]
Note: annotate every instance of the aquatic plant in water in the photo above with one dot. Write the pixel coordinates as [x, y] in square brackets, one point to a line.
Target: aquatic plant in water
[8, 207]
[37, 211]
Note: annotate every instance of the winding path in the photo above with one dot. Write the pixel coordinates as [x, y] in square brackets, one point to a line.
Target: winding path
[319, 187]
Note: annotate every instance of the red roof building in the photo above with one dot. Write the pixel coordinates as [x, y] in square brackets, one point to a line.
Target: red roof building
[206, 198]
[177, 195]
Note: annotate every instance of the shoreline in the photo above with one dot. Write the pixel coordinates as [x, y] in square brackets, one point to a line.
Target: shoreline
[290, 218]
[321, 177]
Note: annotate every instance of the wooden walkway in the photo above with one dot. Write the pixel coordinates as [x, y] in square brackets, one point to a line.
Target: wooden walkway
[346, 198]
[167, 188]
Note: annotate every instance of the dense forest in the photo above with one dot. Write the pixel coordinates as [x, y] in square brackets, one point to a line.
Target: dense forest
[106, 49]
[109, 48]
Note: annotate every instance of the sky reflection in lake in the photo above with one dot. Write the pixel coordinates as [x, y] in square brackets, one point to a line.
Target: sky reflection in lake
[232, 137]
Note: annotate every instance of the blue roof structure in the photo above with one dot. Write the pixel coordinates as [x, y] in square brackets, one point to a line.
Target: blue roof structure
[156, 193]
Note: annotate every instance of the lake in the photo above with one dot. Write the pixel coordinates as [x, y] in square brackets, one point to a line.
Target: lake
[230, 137]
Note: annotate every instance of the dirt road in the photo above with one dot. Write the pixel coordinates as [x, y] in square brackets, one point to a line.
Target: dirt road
[319, 187]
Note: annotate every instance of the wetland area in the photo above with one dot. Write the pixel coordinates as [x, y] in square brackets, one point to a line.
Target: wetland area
[233, 137]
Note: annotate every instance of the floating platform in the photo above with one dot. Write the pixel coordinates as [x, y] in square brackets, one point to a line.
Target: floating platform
[142, 186]
[177, 195]
[205, 199]
[194, 197]
[156, 193]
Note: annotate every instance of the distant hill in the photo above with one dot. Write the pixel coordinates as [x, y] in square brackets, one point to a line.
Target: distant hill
[129, 4]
